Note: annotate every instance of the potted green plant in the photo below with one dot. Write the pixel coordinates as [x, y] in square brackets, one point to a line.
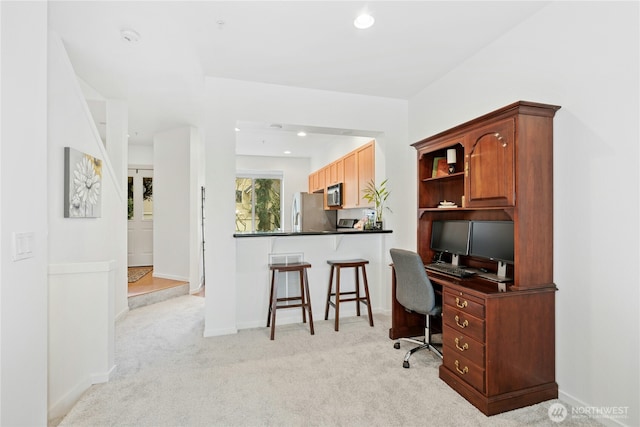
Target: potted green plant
[378, 196]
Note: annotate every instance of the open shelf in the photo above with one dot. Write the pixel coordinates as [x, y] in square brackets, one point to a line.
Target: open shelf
[445, 177]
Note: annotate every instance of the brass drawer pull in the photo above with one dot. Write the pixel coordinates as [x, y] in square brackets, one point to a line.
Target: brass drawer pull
[463, 305]
[463, 325]
[464, 347]
[461, 371]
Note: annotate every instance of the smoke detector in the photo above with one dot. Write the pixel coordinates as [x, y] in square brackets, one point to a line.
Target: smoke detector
[130, 36]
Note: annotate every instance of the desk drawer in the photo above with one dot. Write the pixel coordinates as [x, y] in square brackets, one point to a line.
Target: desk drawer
[458, 343]
[464, 303]
[464, 323]
[466, 370]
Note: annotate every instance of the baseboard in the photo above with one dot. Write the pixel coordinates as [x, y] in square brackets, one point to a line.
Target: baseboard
[197, 290]
[103, 377]
[577, 403]
[170, 277]
[70, 398]
[122, 314]
[219, 332]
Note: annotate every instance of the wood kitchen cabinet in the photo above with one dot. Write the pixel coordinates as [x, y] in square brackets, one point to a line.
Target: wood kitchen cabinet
[498, 343]
[366, 171]
[359, 169]
[354, 170]
[350, 184]
[317, 180]
[335, 172]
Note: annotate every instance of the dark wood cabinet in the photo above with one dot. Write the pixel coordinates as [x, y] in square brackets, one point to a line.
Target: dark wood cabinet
[489, 165]
[498, 345]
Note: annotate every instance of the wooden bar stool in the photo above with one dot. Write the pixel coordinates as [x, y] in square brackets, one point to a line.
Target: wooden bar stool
[304, 298]
[336, 266]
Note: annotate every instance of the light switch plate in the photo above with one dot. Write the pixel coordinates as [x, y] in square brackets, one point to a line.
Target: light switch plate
[22, 245]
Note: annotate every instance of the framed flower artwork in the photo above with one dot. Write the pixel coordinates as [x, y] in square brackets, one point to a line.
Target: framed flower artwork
[82, 185]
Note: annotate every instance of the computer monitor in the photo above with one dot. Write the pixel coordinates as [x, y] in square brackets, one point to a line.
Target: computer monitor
[451, 237]
[493, 240]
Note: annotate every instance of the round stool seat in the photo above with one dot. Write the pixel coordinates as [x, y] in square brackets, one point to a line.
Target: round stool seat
[339, 296]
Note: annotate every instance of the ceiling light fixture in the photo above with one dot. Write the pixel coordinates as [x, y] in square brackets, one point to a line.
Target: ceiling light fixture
[130, 36]
[364, 21]
[301, 133]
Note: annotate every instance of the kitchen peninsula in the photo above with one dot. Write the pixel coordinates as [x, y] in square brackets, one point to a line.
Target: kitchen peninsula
[254, 252]
[308, 233]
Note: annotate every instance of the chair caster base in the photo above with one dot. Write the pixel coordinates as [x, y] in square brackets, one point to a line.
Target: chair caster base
[396, 345]
[405, 364]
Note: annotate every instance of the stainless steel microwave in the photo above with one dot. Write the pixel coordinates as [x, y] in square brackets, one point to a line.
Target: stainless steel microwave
[334, 195]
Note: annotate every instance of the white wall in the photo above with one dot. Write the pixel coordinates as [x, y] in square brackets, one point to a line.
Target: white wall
[196, 182]
[331, 151]
[77, 242]
[117, 140]
[253, 276]
[140, 155]
[172, 204]
[584, 57]
[23, 198]
[81, 331]
[231, 100]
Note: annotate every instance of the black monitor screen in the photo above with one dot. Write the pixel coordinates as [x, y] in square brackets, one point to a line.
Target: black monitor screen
[450, 236]
[492, 240]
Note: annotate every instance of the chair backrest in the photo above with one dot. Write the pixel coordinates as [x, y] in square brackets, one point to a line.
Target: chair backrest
[414, 290]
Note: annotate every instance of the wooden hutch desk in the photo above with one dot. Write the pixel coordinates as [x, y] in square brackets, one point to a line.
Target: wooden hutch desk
[498, 347]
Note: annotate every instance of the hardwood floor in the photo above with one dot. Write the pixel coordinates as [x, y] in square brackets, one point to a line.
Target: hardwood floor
[148, 283]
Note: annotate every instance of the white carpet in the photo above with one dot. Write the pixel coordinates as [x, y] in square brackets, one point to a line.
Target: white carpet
[169, 375]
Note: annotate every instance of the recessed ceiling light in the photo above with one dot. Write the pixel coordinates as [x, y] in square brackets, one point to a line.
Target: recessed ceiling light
[237, 129]
[130, 36]
[287, 152]
[364, 21]
[301, 133]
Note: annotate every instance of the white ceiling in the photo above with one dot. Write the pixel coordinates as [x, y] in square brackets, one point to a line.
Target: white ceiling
[310, 44]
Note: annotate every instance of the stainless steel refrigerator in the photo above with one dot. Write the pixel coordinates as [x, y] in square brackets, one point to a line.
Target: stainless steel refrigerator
[308, 214]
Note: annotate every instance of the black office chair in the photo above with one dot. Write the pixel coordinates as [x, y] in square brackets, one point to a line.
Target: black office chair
[415, 293]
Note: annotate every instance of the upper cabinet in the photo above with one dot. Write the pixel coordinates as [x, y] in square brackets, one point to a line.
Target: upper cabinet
[366, 171]
[489, 165]
[317, 181]
[335, 172]
[354, 171]
[501, 170]
[350, 184]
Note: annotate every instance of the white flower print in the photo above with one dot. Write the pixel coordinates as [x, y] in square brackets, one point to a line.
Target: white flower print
[86, 184]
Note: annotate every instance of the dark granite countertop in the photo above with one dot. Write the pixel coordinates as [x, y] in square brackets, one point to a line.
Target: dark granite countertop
[310, 233]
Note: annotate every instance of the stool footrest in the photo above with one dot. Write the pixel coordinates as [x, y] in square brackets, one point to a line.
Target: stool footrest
[289, 299]
[363, 300]
[292, 306]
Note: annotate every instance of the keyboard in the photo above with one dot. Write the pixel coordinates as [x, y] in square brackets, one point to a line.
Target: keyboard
[449, 269]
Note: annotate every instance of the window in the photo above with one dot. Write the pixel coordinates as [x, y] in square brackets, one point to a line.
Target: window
[140, 194]
[258, 202]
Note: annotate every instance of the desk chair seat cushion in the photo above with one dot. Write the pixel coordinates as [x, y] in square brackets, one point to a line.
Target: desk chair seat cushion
[416, 292]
